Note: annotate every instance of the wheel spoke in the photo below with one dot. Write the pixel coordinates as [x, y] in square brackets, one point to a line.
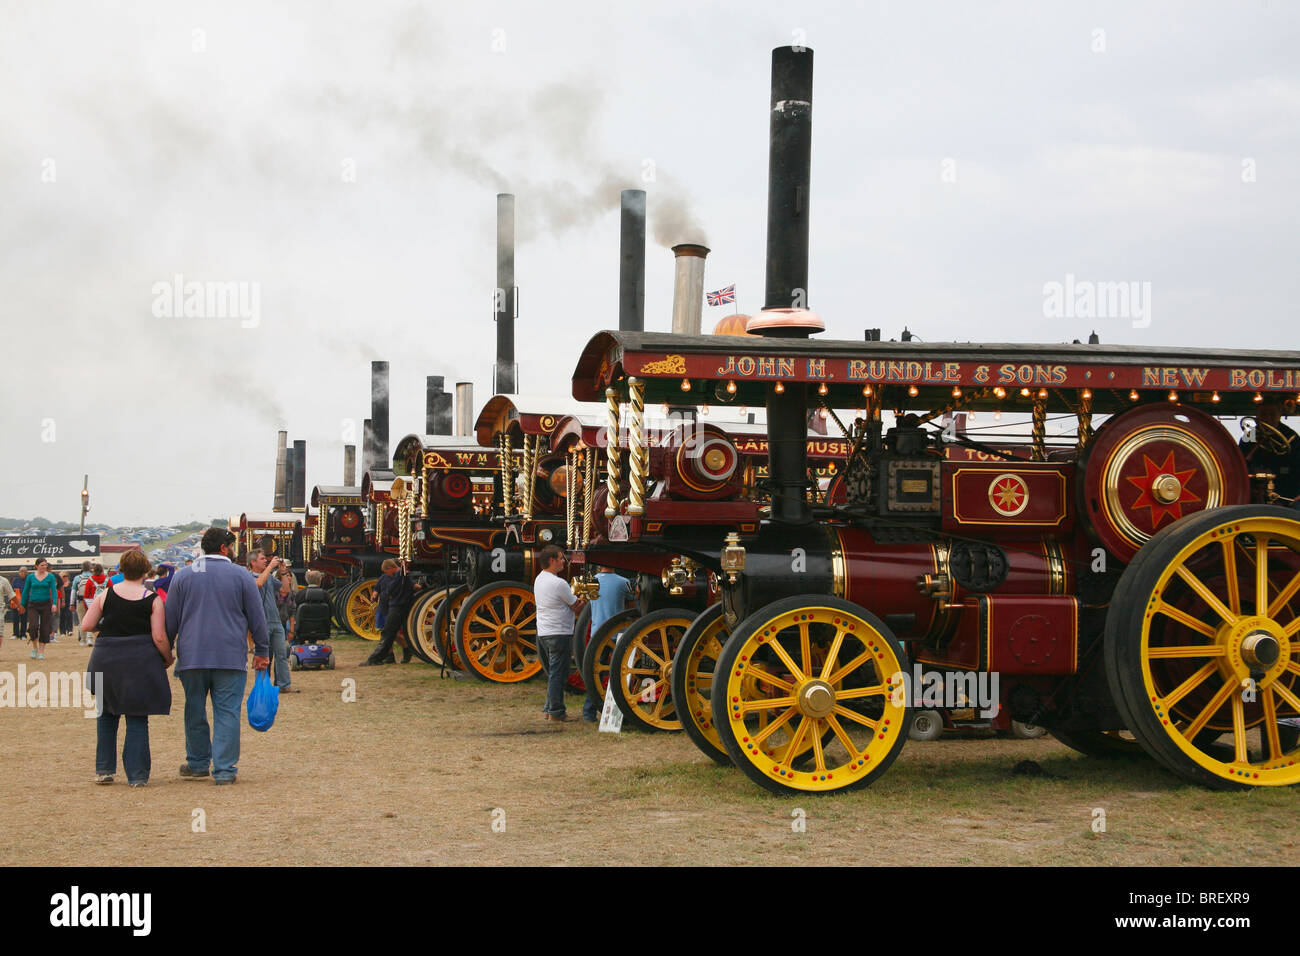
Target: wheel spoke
[659, 700]
[1286, 695]
[854, 716]
[532, 616]
[1205, 593]
[844, 739]
[776, 724]
[767, 677]
[1272, 741]
[1229, 546]
[850, 667]
[819, 758]
[1239, 729]
[833, 654]
[792, 748]
[769, 703]
[1186, 650]
[785, 658]
[490, 606]
[1284, 596]
[1187, 686]
[875, 690]
[1185, 619]
[1261, 574]
[1211, 708]
[805, 650]
[639, 647]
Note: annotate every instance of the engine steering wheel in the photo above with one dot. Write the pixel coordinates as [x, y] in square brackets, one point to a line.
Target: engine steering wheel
[1270, 438]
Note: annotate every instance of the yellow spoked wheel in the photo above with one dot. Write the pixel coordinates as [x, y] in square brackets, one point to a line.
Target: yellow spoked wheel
[359, 609]
[812, 697]
[444, 622]
[496, 633]
[419, 626]
[600, 651]
[643, 661]
[693, 669]
[1201, 647]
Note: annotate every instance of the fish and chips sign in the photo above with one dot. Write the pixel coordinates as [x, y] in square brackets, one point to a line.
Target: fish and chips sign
[63, 548]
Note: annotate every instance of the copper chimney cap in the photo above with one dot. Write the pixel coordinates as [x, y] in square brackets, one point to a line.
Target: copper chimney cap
[787, 322]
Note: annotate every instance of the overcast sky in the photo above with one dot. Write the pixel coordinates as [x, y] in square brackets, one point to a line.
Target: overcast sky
[345, 158]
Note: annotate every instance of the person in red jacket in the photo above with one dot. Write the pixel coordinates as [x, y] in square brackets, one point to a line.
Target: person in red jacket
[98, 581]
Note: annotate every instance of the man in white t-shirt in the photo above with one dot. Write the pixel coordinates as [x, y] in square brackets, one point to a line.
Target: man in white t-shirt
[556, 605]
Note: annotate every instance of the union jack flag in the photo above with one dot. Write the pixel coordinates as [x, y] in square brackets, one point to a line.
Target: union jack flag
[722, 296]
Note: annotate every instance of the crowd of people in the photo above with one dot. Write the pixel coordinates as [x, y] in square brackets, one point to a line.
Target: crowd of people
[203, 618]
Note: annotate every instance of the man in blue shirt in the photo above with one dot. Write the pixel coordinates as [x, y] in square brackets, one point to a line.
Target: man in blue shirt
[212, 607]
[615, 592]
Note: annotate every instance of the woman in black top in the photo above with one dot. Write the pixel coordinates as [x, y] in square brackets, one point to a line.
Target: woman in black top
[130, 660]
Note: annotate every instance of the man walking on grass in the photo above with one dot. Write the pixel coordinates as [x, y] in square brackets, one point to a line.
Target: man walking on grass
[212, 606]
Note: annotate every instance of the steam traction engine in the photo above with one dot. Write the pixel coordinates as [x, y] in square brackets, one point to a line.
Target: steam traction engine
[1126, 583]
[446, 504]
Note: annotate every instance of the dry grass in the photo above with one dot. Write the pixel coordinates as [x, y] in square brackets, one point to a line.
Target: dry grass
[412, 771]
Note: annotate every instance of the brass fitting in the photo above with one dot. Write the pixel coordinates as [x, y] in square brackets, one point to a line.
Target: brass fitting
[677, 575]
[733, 557]
[937, 586]
[586, 587]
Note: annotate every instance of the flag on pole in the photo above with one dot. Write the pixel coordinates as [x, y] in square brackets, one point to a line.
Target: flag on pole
[722, 296]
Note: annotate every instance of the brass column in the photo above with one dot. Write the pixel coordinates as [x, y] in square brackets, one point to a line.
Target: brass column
[637, 451]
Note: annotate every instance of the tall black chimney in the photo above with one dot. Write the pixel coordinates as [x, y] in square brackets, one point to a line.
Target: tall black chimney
[437, 407]
[290, 475]
[631, 261]
[379, 413]
[349, 466]
[299, 500]
[785, 311]
[506, 300]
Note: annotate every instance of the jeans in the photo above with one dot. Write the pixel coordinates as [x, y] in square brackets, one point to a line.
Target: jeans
[280, 655]
[222, 748]
[135, 748]
[557, 648]
[393, 623]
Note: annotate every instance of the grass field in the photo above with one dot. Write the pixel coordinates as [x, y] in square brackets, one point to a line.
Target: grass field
[423, 770]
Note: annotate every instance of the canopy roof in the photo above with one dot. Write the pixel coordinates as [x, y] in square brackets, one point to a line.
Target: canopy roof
[269, 520]
[335, 495]
[938, 372]
[532, 415]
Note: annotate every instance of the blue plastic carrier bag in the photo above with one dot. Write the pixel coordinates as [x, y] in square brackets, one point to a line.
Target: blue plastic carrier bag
[263, 702]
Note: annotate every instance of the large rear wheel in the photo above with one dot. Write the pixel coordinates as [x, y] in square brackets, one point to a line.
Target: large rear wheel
[419, 625]
[643, 663]
[496, 633]
[1201, 647]
[813, 670]
[359, 609]
[600, 651]
[694, 665]
[444, 623]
